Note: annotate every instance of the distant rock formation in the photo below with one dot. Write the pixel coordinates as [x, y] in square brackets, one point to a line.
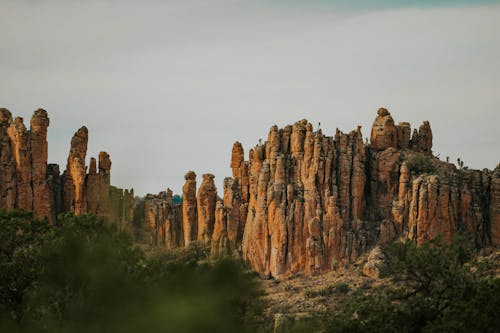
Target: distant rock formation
[302, 202]
[28, 182]
[306, 202]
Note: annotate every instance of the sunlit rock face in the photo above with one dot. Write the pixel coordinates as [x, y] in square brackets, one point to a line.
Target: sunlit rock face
[28, 182]
[189, 208]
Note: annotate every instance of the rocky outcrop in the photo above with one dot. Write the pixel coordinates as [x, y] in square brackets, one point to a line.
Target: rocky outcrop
[8, 186]
[307, 202]
[230, 217]
[189, 208]
[39, 157]
[163, 220]
[24, 164]
[384, 133]
[206, 198]
[20, 145]
[28, 182]
[120, 211]
[75, 174]
[422, 139]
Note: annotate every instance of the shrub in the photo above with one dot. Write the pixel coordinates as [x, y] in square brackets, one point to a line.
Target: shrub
[432, 289]
[419, 164]
[86, 276]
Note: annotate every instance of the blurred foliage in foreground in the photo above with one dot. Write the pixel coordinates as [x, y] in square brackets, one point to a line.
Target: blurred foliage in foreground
[85, 276]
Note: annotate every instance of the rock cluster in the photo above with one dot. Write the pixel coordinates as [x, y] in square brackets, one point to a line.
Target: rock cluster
[28, 182]
[307, 202]
[302, 202]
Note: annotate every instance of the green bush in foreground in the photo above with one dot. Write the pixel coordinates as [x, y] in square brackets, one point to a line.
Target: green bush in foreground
[436, 287]
[85, 276]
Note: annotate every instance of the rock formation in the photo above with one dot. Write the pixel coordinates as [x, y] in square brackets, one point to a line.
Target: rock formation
[28, 182]
[189, 210]
[39, 156]
[302, 202]
[307, 202]
[8, 184]
[74, 176]
[163, 220]
[206, 198]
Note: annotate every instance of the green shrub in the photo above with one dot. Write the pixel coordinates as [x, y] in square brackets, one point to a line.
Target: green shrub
[432, 289]
[86, 276]
[419, 164]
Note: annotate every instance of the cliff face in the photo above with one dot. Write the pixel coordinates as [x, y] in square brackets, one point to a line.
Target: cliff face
[28, 182]
[307, 202]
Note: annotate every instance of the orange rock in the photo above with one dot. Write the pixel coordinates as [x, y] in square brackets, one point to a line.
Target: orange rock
[8, 184]
[39, 156]
[422, 139]
[207, 196]
[20, 142]
[189, 210]
[384, 133]
[404, 134]
[74, 176]
[163, 220]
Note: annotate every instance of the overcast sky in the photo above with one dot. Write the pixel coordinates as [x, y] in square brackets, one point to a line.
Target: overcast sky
[168, 86]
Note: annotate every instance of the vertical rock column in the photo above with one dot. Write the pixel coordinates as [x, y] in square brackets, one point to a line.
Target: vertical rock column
[207, 196]
[39, 156]
[189, 210]
[74, 180]
[7, 164]
[20, 143]
[104, 185]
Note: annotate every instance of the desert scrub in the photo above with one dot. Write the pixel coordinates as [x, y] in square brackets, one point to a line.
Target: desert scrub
[419, 164]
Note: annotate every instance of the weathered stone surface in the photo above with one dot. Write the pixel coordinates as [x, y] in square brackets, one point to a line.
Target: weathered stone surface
[422, 139]
[75, 174]
[384, 133]
[120, 212]
[163, 220]
[404, 134]
[220, 241]
[230, 217]
[39, 156]
[20, 143]
[207, 196]
[103, 208]
[189, 209]
[8, 184]
[306, 198]
[316, 201]
[56, 192]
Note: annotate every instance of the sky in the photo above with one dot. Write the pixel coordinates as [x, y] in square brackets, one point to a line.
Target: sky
[167, 86]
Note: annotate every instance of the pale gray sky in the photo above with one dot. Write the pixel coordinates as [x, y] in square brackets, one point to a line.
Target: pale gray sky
[168, 86]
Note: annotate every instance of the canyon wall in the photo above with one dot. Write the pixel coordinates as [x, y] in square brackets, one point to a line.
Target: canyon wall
[28, 182]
